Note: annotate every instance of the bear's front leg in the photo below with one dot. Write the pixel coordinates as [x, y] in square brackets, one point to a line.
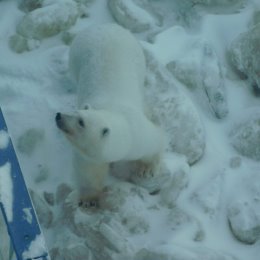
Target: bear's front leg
[89, 178]
[146, 173]
[147, 168]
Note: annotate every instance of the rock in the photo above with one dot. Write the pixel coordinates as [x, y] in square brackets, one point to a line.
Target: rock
[103, 235]
[116, 198]
[244, 221]
[79, 252]
[30, 5]
[177, 252]
[243, 208]
[218, 2]
[67, 37]
[256, 18]
[179, 178]
[29, 140]
[62, 193]
[135, 224]
[21, 44]
[184, 225]
[130, 15]
[243, 54]
[222, 6]
[199, 69]
[171, 179]
[44, 213]
[69, 247]
[49, 198]
[42, 173]
[208, 197]
[235, 162]
[49, 20]
[245, 134]
[174, 112]
[5, 244]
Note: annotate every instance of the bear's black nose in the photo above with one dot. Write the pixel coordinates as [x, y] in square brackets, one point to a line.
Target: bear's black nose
[58, 117]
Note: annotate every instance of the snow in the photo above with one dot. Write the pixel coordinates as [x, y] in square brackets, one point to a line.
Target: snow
[36, 249]
[4, 139]
[6, 190]
[28, 215]
[193, 219]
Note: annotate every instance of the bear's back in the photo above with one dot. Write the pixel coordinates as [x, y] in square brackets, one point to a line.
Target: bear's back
[109, 66]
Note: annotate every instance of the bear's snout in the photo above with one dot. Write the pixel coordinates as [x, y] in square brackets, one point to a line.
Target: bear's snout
[59, 121]
[58, 117]
[62, 123]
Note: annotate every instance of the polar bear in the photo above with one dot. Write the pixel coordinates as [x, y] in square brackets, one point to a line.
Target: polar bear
[110, 125]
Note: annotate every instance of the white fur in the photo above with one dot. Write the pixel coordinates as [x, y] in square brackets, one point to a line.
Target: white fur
[109, 67]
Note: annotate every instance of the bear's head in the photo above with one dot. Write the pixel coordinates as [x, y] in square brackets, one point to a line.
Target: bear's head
[98, 135]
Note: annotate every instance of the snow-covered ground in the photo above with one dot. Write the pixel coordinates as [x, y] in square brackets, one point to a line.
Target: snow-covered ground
[209, 206]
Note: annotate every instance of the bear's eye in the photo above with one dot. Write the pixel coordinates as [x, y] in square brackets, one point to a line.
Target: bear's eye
[105, 131]
[81, 122]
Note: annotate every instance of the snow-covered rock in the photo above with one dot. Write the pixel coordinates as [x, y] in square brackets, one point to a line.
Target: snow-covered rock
[243, 207]
[256, 18]
[43, 210]
[62, 192]
[244, 53]
[103, 235]
[174, 111]
[244, 220]
[185, 226]
[177, 252]
[124, 211]
[131, 15]
[30, 5]
[208, 197]
[71, 252]
[219, 2]
[49, 20]
[222, 6]
[69, 247]
[178, 179]
[5, 244]
[171, 179]
[29, 140]
[20, 44]
[199, 69]
[245, 134]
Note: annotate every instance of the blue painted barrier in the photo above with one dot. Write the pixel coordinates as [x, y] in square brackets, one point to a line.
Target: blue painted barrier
[22, 224]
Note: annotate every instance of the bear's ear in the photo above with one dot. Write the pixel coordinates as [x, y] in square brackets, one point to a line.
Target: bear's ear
[105, 131]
